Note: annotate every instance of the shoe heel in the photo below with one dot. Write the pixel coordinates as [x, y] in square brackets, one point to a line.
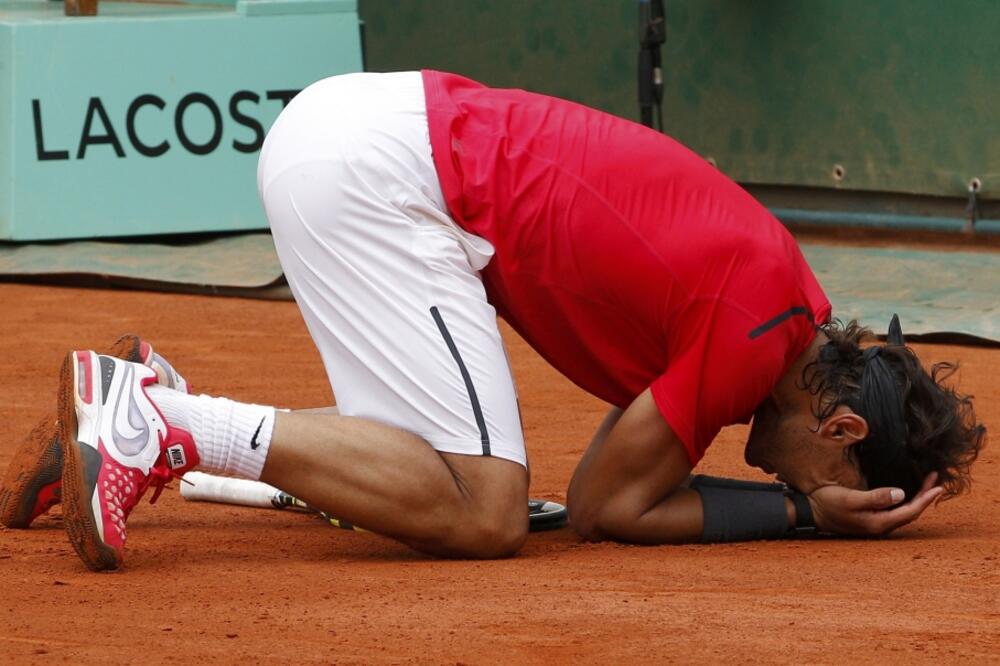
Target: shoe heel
[83, 376]
[78, 518]
[87, 395]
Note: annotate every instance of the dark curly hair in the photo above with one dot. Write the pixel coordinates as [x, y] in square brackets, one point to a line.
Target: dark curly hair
[942, 434]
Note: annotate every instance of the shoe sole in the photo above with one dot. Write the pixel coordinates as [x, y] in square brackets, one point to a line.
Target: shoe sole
[37, 464]
[38, 461]
[78, 516]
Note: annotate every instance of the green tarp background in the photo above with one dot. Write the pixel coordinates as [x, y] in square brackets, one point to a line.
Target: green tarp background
[933, 292]
[902, 95]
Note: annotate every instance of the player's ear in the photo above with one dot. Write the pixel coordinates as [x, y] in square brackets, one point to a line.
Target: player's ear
[843, 428]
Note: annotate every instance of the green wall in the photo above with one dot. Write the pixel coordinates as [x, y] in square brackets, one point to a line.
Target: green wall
[902, 95]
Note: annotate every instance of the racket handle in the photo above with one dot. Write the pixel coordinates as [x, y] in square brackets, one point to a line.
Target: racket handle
[201, 487]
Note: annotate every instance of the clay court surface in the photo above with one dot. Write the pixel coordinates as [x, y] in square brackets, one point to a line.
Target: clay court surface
[213, 584]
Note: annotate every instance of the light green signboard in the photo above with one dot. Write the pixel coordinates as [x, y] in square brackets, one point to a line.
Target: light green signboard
[148, 119]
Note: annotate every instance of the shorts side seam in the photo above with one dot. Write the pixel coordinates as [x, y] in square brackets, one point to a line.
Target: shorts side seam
[477, 410]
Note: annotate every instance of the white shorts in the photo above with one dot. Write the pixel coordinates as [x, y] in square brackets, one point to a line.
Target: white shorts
[387, 283]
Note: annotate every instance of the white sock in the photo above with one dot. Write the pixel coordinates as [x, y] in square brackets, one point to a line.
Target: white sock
[231, 437]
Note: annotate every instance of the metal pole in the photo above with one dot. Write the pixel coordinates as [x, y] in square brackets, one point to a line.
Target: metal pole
[652, 36]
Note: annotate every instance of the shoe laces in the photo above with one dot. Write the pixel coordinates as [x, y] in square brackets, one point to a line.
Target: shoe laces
[160, 475]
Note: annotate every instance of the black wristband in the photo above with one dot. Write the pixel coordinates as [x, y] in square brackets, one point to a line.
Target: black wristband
[733, 512]
[804, 521]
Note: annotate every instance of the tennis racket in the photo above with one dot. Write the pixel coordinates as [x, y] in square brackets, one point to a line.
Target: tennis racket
[202, 487]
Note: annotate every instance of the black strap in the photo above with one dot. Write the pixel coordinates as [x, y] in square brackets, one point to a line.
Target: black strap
[734, 512]
[804, 521]
[737, 510]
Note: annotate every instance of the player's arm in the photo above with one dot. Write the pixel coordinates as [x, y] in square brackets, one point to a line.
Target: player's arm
[630, 483]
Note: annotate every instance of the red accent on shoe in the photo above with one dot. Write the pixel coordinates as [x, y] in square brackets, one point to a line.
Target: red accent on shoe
[145, 349]
[48, 497]
[118, 489]
[178, 453]
[83, 358]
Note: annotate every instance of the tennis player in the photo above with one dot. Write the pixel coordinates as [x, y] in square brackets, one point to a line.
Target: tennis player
[408, 211]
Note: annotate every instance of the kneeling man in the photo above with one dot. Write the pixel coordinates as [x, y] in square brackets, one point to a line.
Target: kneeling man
[408, 211]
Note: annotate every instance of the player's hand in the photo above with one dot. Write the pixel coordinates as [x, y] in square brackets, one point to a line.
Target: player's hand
[869, 512]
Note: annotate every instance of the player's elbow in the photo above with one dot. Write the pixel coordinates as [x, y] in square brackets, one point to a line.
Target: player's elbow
[601, 524]
[587, 529]
[587, 515]
[616, 518]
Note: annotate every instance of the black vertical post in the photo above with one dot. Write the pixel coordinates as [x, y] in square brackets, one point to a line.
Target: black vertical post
[652, 36]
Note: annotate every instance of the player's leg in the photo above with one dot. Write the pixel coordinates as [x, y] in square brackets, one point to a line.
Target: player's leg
[388, 287]
[392, 482]
[428, 446]
[467, 526]
[121, 433]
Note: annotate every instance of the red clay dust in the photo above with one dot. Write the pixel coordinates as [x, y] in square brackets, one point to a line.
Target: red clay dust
[213, 584]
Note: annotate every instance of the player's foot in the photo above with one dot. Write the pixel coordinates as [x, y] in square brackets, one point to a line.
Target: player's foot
[115, 444]
[34, 476]
[33, 481]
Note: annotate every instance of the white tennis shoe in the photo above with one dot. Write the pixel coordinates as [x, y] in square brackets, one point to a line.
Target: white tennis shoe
[115, 444]
[33, 483]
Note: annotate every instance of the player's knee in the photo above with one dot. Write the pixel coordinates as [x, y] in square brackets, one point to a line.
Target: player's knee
[489, 519]
[491, 536]
[495, 539]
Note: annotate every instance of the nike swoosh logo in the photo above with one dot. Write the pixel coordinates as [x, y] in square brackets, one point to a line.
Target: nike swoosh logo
[130, 431]
[253, 440]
